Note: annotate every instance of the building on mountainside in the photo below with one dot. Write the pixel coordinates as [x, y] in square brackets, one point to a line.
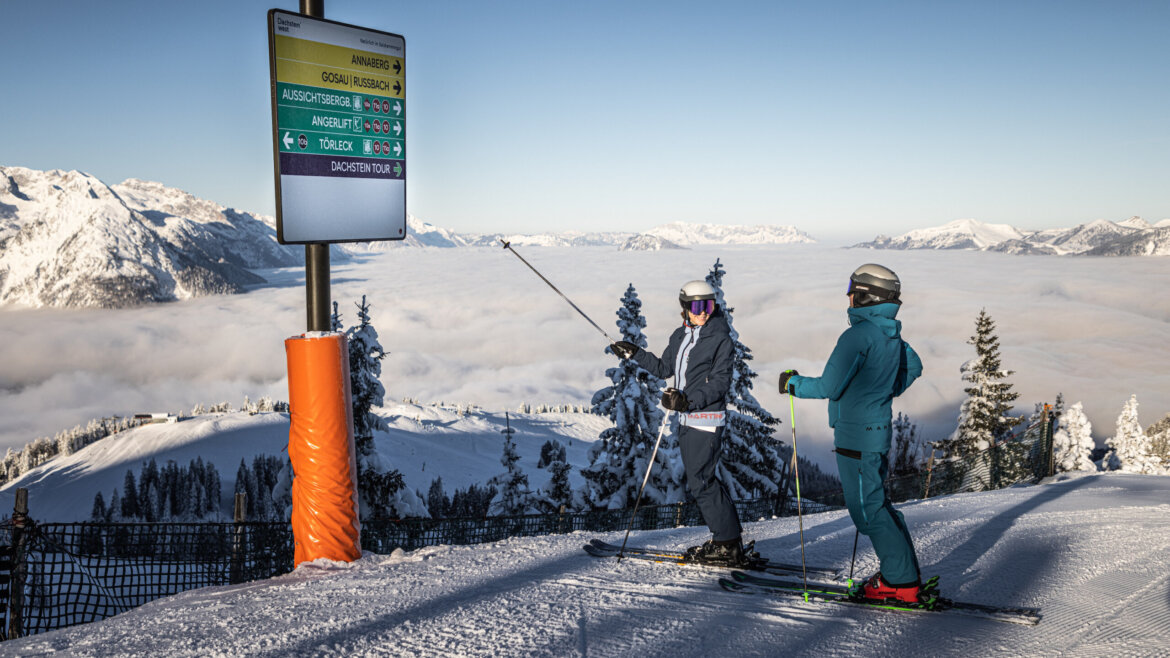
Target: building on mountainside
[147, 419]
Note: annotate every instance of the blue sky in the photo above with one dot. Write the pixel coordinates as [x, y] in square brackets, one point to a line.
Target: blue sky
[845, 119]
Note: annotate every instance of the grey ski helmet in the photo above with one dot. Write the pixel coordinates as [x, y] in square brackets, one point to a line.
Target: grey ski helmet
[696, 291]
[874, 284]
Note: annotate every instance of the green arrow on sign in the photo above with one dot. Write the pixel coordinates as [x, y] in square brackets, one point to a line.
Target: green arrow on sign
[397, 168]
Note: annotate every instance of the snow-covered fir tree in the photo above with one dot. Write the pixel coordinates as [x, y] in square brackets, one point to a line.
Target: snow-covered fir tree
[556, 492]
[984, 418]
[168, 494]
[43, 449]
[258, 484]
[1130, 445]
[513, 496]
[381, 490]
[752, 458]
[114, 509]
[906, 452]
[438, 504]
[1159, 434]
[1015, 458]
[99, 512]
[1072, 442]
[618, 461]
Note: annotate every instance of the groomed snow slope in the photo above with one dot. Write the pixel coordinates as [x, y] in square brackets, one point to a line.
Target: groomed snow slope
[1091, 551]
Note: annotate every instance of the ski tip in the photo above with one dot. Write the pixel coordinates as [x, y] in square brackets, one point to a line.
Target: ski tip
[733, 586]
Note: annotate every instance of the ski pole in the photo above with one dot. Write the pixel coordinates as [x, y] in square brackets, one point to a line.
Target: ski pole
[645, 479]
[856, 532]
[508, 246]
[796, 471]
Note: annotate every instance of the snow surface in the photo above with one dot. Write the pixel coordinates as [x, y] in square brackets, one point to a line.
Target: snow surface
[1090, 551]
[422, 441]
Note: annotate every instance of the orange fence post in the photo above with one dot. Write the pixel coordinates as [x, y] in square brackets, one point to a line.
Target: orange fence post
[320, 446]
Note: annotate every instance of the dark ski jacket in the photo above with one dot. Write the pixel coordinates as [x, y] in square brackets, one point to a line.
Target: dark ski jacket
[869, 367]
[708, 373]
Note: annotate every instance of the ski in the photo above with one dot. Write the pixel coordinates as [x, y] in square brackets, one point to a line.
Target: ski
[598, 548]
[746, 583]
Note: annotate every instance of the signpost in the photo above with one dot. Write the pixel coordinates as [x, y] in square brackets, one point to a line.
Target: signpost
[338, 126]
[339, 129]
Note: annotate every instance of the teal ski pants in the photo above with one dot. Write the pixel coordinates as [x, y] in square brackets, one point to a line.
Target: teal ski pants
[876, 518]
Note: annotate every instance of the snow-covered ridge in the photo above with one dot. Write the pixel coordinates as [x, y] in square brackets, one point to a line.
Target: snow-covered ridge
[68, 239]
[667, 236]
[697, 234]
[647, 242]
[1129, 237]
[461, 444]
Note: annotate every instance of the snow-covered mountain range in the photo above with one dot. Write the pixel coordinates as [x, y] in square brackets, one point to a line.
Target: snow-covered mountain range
[667, 236]
[697, 234]
[1131, 237]
[68, 239]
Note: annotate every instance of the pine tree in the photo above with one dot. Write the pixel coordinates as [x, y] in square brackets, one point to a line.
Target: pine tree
[984, 418]
[1072, 442]
[98, 513]
[151, 504]
[1130, 445]
[1159, 434]
[437, 503]
[618, 461]
[512, 494]
[245, 484]
[752, 458]
[381, 490]
[365, 371]
[130, 507]
[556, 492]
[147, 505]
[114, 510]
[906, 454]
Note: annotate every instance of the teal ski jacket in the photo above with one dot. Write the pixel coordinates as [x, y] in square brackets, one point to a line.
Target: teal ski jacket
[870, 366]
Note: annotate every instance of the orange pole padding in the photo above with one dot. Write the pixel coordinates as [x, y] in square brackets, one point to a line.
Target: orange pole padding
[320, 445]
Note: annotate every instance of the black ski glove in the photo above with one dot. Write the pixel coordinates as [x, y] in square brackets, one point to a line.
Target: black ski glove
[624, 349]
[784, 377]
[674, 399]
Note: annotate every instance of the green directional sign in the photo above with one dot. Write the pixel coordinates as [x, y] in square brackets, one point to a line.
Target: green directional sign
[339, 130]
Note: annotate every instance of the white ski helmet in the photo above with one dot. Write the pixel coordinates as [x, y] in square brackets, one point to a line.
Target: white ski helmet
[693, 291]
[876, 284]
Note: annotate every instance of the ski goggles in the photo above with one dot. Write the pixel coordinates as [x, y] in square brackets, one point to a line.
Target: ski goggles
[855, 287]
[701, 306]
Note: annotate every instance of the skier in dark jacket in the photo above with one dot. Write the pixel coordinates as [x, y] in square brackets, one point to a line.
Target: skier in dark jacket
[699, 359]
[869, 367]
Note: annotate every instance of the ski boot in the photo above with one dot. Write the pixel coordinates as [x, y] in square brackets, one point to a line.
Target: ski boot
[730, 553]
[877, 589]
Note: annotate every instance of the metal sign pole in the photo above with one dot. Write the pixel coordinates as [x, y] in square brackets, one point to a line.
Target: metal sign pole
[317, 296]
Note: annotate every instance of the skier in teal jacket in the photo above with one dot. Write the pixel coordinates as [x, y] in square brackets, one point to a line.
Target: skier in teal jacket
[869, 367]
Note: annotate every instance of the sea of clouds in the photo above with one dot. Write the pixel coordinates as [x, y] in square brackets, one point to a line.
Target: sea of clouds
[476, 326]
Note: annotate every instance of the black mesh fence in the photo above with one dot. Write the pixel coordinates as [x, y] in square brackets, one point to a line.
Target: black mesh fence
[55, 575]
[74, 573]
